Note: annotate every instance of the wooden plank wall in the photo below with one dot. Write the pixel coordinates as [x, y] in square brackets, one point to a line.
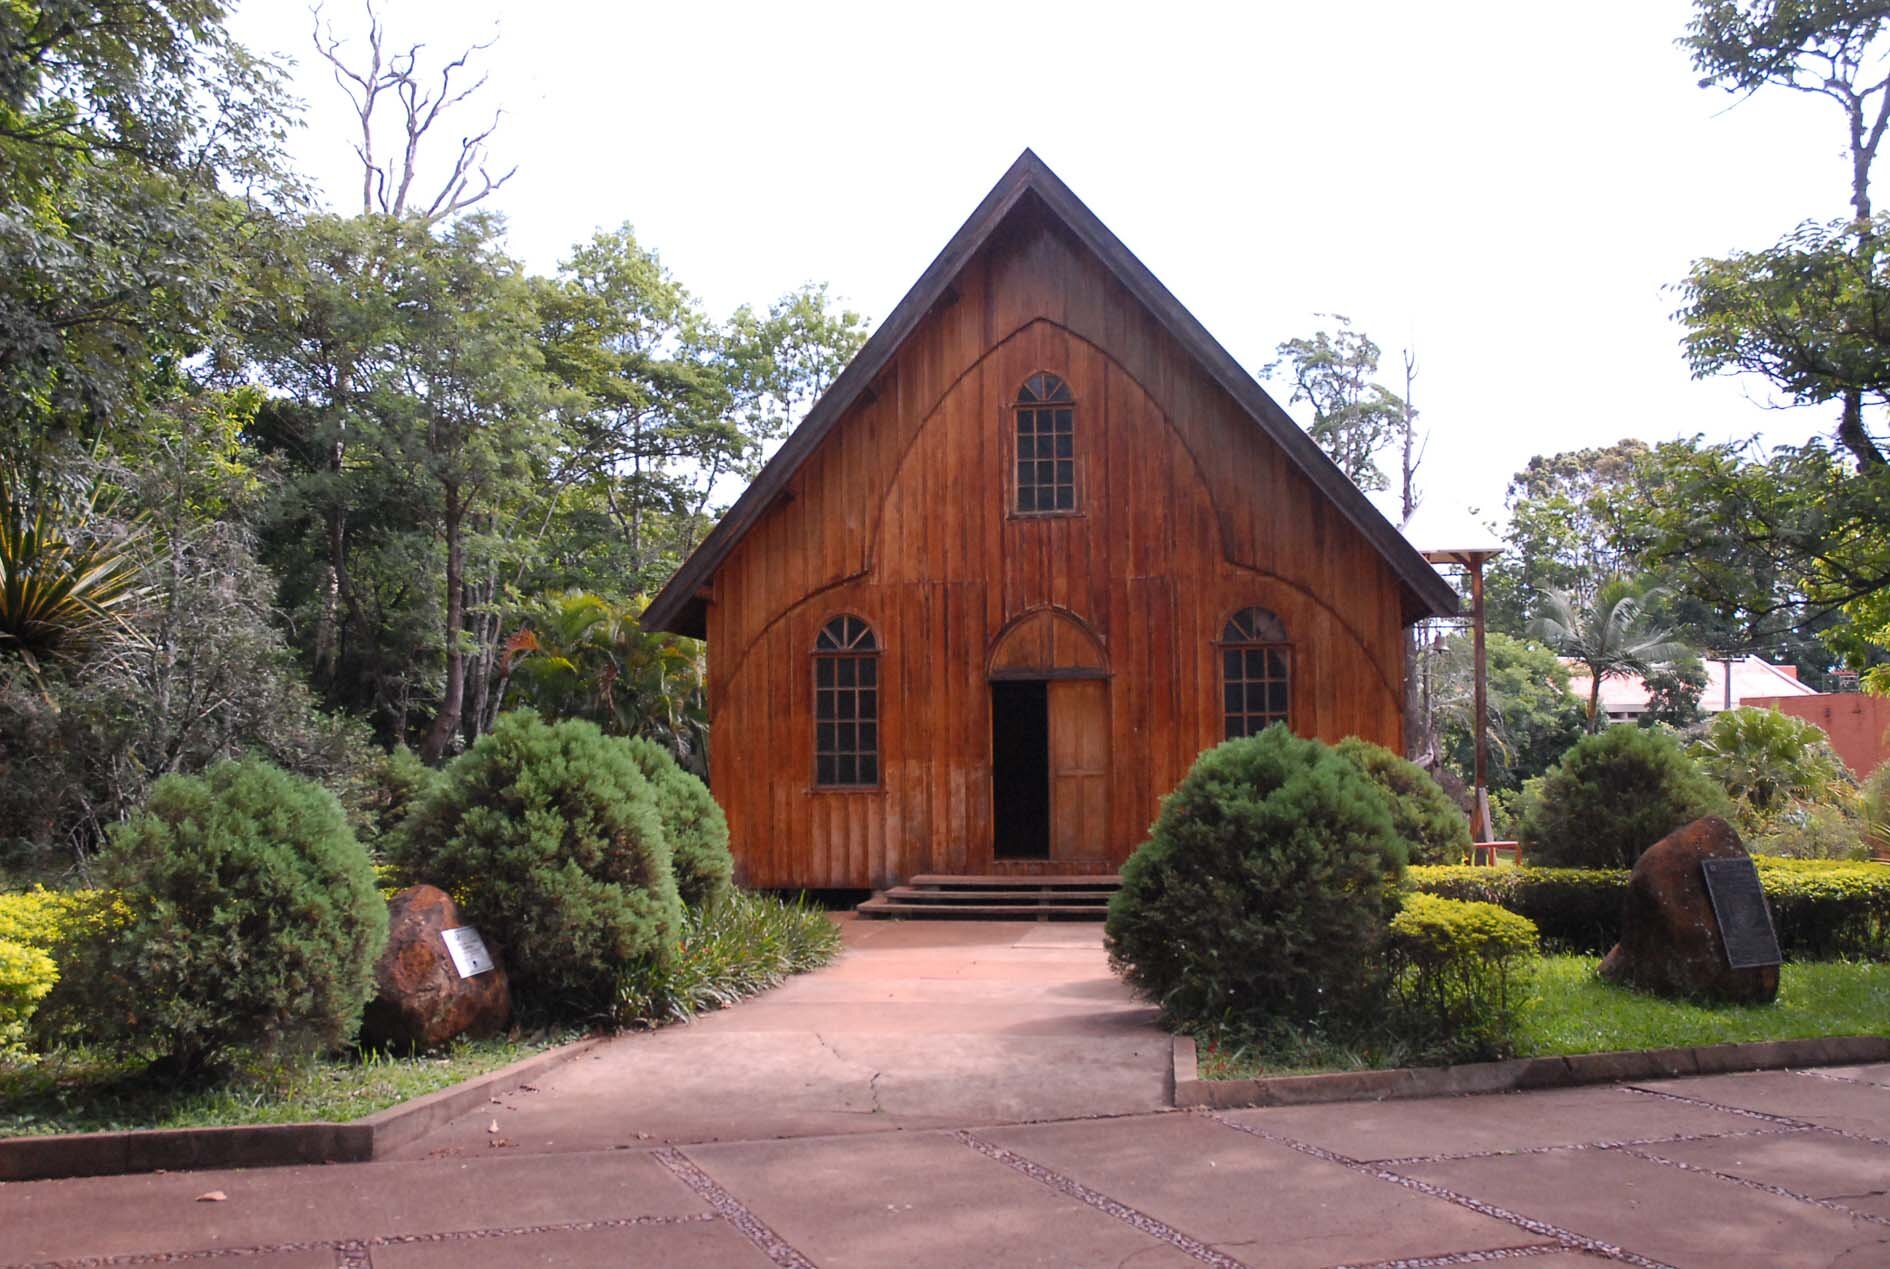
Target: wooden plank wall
[1189, 512]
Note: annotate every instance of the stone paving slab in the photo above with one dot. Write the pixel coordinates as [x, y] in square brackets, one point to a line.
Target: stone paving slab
[1875, 1073]
[102, 1216]
[919, 1200]
[1855, 1174]
[1496, 1122]
[1840, 1104]
[1676, 1217]
[1251, 1198]
[707, 1245]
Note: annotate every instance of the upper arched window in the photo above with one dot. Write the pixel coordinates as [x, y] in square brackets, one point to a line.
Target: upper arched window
[1256, 672]
[1046, 446]
[846, 705]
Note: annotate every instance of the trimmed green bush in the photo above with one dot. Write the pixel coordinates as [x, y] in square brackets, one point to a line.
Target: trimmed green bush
[693, 825]
[1822, 909]
[1460, 971]
[1264, 889]
[250, 921]
[1612, 796]
[1434, 829]
[549, 838]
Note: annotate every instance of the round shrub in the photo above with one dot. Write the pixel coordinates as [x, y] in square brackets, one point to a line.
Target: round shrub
[1264, 888]
[1461, 972]
[248, 920]
[1434, 829]
[693, 825]
[548, 836]
[26, 975]
[1612, 796]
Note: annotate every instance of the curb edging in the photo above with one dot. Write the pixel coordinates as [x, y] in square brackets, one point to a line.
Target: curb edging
[264, 1145]
[1516, 1074]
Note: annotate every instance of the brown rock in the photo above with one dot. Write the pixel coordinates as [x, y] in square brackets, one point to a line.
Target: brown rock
[423, 1002]
[1670, 941]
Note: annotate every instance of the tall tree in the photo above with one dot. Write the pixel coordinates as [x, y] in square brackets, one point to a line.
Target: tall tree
[1353, 417]
[140, 159]
[1806, 314]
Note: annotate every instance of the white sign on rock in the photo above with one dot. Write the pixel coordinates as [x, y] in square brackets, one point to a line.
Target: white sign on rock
[468, 951]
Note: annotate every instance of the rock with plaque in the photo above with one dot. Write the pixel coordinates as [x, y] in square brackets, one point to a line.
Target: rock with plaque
[436, 979]
[1680, 938]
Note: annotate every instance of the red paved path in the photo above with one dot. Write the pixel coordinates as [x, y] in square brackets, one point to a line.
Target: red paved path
[1770, 1169]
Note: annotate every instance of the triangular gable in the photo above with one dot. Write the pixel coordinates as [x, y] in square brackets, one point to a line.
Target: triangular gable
[681, 607]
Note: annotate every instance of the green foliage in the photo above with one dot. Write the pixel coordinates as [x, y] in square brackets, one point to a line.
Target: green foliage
[550, 839]
[736, 946]
[1609, 635]
[1264, 888]
[1461, 972]
[693, 825]
[1575, 909]
[252, 923]
[27, 974]
[1781, 774]
[1612, 796]
[1353, 418]
[1822, 909]
[1673, 694]
[582, 655]
[58, 585]
[1532, 718]
[1434, 829]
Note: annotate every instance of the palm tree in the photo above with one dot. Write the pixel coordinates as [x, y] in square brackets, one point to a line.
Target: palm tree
[1611, 638]
[59, 585]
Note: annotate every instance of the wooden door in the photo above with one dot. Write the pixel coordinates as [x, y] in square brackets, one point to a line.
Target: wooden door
[1079, 768]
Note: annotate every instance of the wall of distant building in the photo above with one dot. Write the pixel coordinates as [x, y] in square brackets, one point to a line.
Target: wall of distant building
[1855, 721]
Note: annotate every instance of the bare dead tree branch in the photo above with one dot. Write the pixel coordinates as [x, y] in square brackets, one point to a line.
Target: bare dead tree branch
[387, 185]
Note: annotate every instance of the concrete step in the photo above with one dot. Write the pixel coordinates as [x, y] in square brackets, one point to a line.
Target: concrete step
[1020, 894]
[954, 881]
[896, 908]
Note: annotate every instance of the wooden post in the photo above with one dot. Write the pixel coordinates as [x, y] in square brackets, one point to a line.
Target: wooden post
[1485, 830]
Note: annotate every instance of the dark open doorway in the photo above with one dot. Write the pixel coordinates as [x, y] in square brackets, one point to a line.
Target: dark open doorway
[1020, 770]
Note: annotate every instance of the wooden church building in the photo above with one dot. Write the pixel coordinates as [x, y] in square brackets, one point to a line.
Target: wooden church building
[1039, 545]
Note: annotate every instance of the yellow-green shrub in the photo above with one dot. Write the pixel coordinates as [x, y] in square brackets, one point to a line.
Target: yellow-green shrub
[26, 975]
[1460, 973]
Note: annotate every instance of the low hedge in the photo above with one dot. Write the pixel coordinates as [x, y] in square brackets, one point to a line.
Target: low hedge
[32, 924]
[1576, 909]
[1822, 909]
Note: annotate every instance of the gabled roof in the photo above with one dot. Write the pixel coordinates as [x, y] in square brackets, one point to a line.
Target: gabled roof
[680, 607]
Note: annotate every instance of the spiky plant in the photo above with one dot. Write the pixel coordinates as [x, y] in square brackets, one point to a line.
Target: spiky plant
[59, 587]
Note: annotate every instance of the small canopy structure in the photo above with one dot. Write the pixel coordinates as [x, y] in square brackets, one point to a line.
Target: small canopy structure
[1447, 537]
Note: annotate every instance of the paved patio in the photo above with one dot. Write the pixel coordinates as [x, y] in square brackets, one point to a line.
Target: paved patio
[1768, 1169]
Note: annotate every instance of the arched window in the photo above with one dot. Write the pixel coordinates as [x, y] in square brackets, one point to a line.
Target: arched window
[1046, 446]
[1256, 672]
[846, 705]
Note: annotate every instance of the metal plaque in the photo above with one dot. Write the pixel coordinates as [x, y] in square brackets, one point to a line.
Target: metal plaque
[468, 951]
[1745, 923]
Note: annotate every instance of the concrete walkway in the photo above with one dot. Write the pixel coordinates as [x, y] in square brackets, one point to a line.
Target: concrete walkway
[1775, 1169]
[920, 1024]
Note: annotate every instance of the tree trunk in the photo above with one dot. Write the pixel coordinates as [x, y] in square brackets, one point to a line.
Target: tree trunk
[1594, 700]
[453, 700]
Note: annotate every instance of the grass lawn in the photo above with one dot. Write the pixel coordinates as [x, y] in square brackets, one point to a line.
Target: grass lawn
[73, 1090]
[1575, 1012]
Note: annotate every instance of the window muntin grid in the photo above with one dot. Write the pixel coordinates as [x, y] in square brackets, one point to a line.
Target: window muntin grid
[1044, 453]
[1256, 673]
[846, 705]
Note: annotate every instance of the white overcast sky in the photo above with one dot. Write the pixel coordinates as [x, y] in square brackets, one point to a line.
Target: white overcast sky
[1512, 189]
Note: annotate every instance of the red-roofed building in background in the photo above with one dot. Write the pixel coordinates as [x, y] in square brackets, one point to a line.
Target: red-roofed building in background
[1856, 723]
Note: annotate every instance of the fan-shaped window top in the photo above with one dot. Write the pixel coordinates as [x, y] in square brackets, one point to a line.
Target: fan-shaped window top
[846, 634]
[1254, 625]
[846, 705]
[1256, 672]
[1043, 387]
[1046, 446]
